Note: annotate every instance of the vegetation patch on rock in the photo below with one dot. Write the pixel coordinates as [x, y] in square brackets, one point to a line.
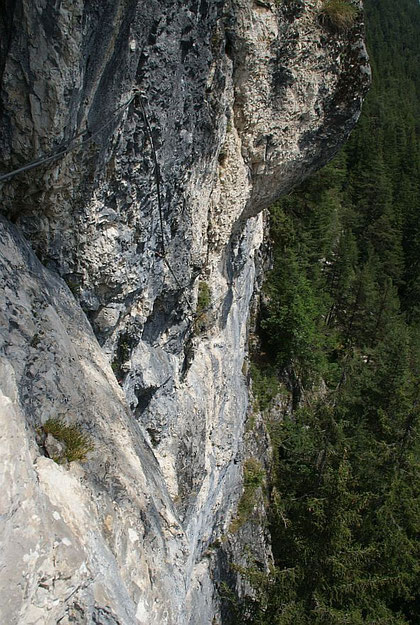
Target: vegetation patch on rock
[73, 444]
[339, 13]
[203, 305]
[254, 476]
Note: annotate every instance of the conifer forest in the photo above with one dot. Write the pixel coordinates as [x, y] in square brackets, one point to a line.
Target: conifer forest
[339, 336]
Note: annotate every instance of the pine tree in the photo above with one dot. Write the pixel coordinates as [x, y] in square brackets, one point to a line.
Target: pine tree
[341, 317]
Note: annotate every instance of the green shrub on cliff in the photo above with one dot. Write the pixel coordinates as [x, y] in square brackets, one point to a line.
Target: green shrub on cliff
[254, 476]
[339, 13]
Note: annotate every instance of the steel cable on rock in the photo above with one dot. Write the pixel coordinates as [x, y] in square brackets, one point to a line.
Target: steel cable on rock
[159, 199]
[217, 304]
[156, 172]
[70, 146]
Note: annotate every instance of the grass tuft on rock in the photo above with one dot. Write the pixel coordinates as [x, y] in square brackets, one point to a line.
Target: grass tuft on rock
[76, 444]
[341, 14]
[203, 305]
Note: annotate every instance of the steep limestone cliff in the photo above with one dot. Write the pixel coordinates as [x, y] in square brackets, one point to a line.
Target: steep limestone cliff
[178, 123]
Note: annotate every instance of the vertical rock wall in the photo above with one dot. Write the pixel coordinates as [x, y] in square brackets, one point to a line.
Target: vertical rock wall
[236, 102]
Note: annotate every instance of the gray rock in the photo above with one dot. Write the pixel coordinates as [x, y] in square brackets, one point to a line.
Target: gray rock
[242, 101]
[53, 447]
[80, 538]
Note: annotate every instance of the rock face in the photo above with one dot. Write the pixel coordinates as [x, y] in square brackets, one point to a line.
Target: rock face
[174, 124]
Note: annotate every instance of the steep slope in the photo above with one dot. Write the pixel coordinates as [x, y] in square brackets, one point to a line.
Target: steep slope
[178, 123]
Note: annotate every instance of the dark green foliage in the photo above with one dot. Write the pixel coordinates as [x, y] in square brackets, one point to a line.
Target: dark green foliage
[265, 386]
[122, 354]
[290, 321]
[341, 320]
[76, 444]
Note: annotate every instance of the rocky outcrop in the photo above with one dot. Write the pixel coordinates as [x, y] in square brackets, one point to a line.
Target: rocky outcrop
[176, 123]
[79, 541]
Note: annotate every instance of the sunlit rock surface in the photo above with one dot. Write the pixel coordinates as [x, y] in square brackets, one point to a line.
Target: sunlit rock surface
[242, 99]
